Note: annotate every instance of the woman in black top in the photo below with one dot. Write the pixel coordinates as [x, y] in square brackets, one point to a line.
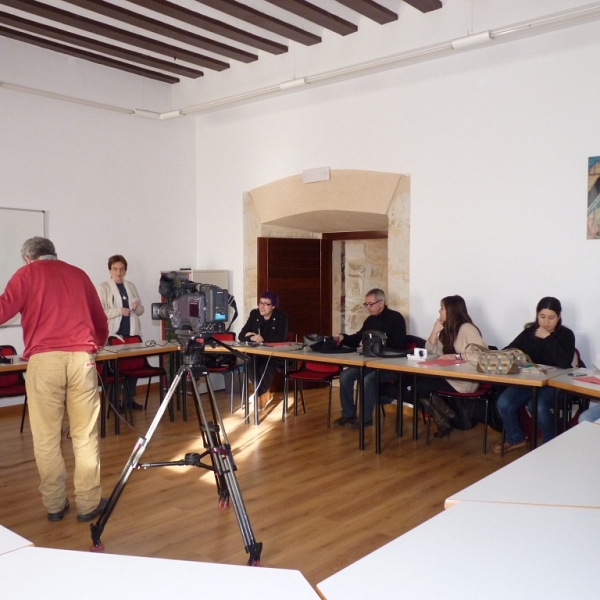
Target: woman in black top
[267, 323]
[546, 341]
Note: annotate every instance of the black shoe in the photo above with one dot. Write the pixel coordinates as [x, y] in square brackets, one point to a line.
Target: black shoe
[94, 513]
[136, 406]
[443, 432]
[342, 421]
[57, 516]
[354, 424]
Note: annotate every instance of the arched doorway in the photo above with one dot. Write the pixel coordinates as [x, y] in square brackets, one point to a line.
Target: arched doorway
[351, 202]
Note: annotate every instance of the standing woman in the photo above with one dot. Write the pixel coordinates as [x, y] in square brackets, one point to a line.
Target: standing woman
[123, 308]
[452, 332]
[548, 342]
[267, 323]
[120, 300]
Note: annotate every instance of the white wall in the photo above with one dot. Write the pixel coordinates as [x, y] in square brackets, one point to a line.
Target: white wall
[496, 142]
[110, 183]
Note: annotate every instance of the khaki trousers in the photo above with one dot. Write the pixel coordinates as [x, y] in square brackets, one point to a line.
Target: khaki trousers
[55, 380]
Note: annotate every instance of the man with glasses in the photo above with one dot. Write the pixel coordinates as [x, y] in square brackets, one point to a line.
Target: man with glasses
[381, 318]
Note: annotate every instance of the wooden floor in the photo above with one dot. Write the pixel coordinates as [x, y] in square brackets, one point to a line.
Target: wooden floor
[315, 501]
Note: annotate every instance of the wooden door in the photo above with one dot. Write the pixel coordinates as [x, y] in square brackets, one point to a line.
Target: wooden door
[298, 270]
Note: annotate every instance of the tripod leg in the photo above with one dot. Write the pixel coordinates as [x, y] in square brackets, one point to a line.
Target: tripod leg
[132, 463]
[225, 468]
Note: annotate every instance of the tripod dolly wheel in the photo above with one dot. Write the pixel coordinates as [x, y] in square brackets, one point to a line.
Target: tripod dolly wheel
[253, 562]
[97, 548]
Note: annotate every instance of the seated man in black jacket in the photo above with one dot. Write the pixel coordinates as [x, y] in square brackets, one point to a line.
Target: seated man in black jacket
[393, 325]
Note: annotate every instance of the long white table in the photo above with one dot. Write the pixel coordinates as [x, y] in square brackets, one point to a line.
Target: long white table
[296, 352]
[34, 573]
[563, 472]
[466, 371]
[482, 551]
[10, 541]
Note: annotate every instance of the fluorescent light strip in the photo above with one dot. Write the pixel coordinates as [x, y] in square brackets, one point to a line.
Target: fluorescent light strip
[35, 92]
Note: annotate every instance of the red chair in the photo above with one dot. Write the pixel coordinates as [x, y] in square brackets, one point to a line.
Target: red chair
[138, 367]
[106, 380]
[13, 384]
[313, 372]
[485, 392]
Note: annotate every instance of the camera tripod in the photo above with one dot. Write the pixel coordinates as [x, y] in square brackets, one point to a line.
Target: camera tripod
[221, 459]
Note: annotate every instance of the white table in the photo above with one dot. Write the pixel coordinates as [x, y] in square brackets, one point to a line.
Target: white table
[10, 541]
[563, 472]
[482, 551]
[468, 372]
[573, 385]
[34, 573]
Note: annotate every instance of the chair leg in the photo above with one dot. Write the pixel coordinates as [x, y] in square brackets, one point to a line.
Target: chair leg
[24, 413]
[148, 391]
[295, 398]
[329, 405]
[400, 409]
[429, 411]
[485, 425]
[302, 397]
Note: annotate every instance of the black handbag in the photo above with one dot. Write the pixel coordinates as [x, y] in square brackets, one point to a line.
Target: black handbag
[326, 344]
[374, 344]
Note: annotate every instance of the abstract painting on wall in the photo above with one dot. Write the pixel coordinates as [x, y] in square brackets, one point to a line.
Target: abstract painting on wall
[593, 203]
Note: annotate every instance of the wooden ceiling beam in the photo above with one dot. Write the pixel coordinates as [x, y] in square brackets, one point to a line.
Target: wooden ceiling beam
[317, 15]
[114, 33]
[97, 46]
[208, 24]
[182, 35]
[372, 10]
[425, 5]
[83, 54]
[262, 20]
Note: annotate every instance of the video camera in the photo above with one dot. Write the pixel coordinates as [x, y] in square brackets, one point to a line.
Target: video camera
[197, 307]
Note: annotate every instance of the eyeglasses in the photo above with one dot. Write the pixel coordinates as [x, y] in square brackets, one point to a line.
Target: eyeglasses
[369, 304]
[265, 303]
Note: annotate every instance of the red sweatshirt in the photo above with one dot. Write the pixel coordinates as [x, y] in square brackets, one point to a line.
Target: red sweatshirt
[59, 306]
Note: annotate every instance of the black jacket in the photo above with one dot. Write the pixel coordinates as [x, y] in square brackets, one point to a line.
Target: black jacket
[271, 330]
[391, 322]
[557, 350]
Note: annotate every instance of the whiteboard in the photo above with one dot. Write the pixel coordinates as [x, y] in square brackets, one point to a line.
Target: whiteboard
[16, 226]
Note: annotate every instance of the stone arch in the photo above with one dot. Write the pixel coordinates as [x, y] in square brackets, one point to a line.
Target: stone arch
[352, 200]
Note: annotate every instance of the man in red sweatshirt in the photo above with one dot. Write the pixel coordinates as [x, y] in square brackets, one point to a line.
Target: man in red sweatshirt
[64, 326]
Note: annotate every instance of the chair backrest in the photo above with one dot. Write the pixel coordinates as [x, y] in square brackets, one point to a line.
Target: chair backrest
[412, 342]
[136, 362]
[9, 379]
[291, 336]
[318, 367]
[577, 362]
[227, 336]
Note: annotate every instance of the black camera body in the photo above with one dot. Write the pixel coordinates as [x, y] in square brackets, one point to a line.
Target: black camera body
[200, 308]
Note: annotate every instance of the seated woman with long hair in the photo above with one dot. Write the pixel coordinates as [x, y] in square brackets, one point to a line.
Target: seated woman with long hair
[452, 332]
[548, 342]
